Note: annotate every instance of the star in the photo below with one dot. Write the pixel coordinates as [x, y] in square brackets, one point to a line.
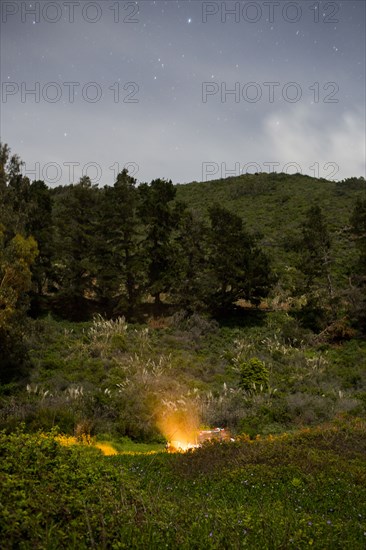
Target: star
[189, 20]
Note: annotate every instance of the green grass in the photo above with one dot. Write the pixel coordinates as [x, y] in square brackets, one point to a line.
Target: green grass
[298, 491]
[125, 445]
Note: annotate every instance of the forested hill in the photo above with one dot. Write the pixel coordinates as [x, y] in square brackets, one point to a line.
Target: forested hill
[274, 205]
[82, 249]
[270, 200]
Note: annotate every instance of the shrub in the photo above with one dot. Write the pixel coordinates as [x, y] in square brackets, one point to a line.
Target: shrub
[253, 375]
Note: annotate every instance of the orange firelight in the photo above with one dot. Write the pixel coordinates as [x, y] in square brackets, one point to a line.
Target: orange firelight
[180, 427]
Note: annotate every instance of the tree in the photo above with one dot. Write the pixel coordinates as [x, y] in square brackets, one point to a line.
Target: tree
[241, 269]
[357, 292]
[16, 258]
[4, 158]
[315, 251]
[14, 192]
[192, 282]
[358, 229]
[26, 209]
[314, 262]
[160, 216]
[39, 225]
[75, 222]
[18, 252]
[121, 270]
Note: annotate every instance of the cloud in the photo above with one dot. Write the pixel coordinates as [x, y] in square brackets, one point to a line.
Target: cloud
[318, 141]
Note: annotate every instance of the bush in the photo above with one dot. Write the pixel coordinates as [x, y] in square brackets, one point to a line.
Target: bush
[14, 360]
[253, 375]
[59, 497]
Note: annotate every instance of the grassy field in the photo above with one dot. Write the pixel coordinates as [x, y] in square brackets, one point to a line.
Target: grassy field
[291, 491]
[295, 476]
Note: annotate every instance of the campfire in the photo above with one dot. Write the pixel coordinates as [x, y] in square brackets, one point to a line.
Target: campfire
[216, 434]
[180, 424]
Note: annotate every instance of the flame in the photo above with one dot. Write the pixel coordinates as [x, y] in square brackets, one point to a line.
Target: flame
[180, 428]
[176, 446]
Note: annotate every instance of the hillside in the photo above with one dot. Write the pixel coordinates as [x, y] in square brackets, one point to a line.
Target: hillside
[156, 361]
[274, 205]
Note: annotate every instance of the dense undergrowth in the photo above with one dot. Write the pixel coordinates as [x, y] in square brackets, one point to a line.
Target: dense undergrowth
[111, 379]
[293, 478]
[291, 491]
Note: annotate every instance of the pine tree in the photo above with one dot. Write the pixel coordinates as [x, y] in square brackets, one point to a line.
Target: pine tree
[314, 263]
[315, 251]
[39, 225]
[193, 280]
[75, 221]
[241, 269]
[160, 216]
[121, 263]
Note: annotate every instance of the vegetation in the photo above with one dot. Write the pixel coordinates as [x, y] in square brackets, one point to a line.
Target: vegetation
[112, 379]
[134, 312]
[307, 489]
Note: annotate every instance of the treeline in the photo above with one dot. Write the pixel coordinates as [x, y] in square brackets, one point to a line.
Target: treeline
[110, 248]
[80, 249]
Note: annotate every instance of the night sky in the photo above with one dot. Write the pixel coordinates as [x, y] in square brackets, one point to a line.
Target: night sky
[184, 90]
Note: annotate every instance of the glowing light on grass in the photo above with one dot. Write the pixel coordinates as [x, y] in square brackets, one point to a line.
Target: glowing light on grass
[180, 427]
[86, 440]
[106, 449]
